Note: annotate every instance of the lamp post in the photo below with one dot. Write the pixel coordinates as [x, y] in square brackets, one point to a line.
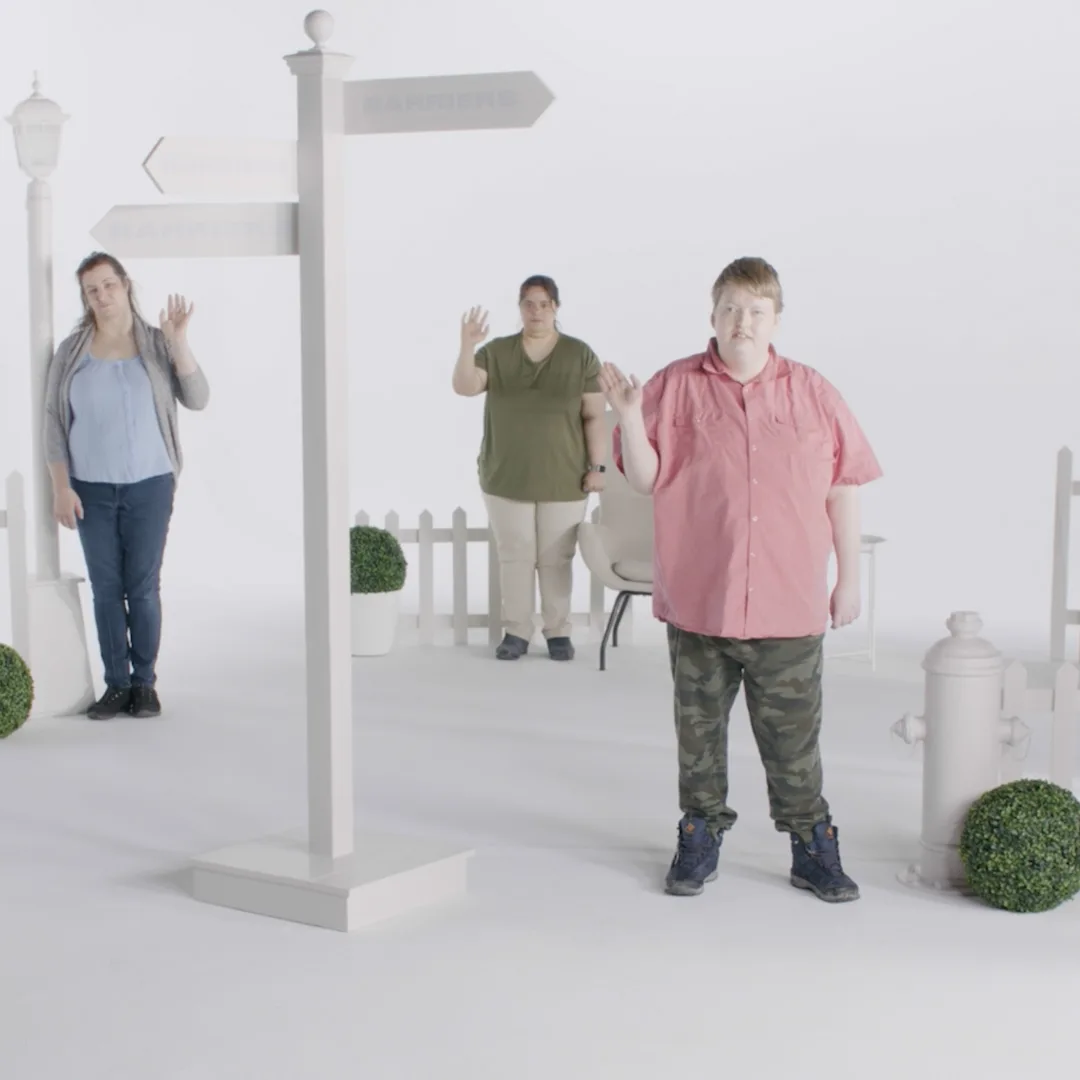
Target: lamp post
[59, 657]
[37, 122]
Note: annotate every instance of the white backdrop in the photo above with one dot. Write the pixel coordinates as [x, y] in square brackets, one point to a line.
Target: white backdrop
[910, 168]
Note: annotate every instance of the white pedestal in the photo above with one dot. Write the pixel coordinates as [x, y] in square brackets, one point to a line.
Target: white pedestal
[385, 876]
[59, 658]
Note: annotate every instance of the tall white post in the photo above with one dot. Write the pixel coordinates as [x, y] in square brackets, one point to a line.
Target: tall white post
[324, 381]
[59, 657]
[39, 234]
[327, 875]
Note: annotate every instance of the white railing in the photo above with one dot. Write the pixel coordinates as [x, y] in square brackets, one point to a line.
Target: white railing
[460, 535]
[13, 522]
[1055, 690]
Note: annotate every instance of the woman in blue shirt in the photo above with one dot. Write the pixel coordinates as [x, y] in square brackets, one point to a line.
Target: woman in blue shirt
[113, 450]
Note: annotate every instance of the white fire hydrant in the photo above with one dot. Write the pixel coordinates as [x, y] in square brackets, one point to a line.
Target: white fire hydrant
[963, 735]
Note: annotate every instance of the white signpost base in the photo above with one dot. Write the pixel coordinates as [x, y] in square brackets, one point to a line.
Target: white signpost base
[59, 654]
[384, 876]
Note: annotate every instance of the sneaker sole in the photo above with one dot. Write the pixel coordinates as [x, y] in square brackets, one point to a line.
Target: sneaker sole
[142, 714]
[681, 888]
[829, 898]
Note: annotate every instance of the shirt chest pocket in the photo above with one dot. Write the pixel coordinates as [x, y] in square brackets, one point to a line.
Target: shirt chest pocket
[796, 427]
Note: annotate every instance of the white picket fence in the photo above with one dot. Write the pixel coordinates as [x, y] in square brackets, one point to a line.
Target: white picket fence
[13, 522]
[1043, 688]
[427, 620]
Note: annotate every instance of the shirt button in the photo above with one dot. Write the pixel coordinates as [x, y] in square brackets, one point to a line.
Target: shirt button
[753, 480]
[753, 448]
[754, 518]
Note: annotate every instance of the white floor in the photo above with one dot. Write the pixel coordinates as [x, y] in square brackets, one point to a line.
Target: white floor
[566, 961]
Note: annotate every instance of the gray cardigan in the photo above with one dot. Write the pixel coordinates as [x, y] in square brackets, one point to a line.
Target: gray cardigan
[192, 391]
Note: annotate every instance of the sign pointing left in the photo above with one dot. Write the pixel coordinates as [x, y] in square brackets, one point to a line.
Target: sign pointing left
[236, 168]
[200, 230]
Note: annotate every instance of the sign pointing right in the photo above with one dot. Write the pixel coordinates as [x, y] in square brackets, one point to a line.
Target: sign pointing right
[505, 99]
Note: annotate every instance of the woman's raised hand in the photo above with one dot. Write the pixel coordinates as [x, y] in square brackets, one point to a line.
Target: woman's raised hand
[474, 327]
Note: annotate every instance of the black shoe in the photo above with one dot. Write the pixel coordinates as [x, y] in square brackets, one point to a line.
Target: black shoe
[695, 859]
[144, 701]
[560, 648]
[511, 648]
[816, 866]
[116, 699]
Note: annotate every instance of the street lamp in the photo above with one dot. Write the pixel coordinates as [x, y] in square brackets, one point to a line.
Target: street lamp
[59, 657]
[37, 122]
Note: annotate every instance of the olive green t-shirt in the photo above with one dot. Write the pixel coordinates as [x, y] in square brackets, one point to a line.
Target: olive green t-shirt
[534, 438]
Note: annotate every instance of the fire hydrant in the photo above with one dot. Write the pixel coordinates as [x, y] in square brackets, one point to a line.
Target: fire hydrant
[964, 736]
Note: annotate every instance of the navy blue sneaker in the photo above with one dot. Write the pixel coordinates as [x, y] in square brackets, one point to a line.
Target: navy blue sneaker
[560, 648]
[511, 648]
[115, 700]
[144, 702]
[816, 866]
[695, 859]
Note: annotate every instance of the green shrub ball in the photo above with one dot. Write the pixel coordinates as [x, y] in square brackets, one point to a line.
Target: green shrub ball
[376, 561]
[16, 691]
[1020, 846]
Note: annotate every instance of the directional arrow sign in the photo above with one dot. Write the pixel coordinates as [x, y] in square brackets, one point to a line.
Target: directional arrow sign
[199, 230]
[244, 168]
[508, 99]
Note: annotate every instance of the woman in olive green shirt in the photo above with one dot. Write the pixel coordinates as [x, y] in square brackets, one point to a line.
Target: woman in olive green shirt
[545, 441]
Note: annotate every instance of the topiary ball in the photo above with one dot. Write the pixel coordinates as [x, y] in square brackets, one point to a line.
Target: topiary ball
[376, 561]
[1020, 846]
[16, 691]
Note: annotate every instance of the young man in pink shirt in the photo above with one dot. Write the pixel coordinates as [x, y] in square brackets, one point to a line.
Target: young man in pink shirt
[754, 463]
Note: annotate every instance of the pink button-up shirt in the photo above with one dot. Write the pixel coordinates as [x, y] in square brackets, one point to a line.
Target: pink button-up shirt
[742, 537]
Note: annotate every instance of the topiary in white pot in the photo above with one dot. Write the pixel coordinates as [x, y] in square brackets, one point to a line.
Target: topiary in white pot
[377, 573]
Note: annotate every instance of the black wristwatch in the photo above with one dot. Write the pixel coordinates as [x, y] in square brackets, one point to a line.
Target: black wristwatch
[596, 468]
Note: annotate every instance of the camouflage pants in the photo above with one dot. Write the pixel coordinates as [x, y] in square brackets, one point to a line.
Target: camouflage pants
[782, 680]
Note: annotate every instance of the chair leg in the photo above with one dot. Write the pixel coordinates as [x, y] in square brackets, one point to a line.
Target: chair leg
[613, 621]
[625, 597]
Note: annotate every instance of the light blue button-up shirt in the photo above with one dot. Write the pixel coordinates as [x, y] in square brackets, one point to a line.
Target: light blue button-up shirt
[115, 435]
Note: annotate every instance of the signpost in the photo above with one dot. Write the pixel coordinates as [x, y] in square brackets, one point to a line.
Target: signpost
[509, 99]
[199, 230]
[329, 874]
[245, 168]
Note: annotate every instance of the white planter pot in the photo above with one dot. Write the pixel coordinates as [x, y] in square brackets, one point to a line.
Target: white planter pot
[374, 622]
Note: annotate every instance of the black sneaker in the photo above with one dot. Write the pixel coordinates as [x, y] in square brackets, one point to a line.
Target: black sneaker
[511, 648]
[696, 858]
[816, 866]
[560, 648]
[116, 699]
[144, 701]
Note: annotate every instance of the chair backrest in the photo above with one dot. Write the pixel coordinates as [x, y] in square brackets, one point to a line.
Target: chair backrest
[626, 515]
[1061, 615]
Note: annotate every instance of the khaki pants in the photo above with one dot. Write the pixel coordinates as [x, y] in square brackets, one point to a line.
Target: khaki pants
[535, 540]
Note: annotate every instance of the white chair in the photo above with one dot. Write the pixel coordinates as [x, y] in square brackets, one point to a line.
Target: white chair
[617, 545]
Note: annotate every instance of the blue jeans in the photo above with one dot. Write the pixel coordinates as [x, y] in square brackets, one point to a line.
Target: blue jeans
[123, 531]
